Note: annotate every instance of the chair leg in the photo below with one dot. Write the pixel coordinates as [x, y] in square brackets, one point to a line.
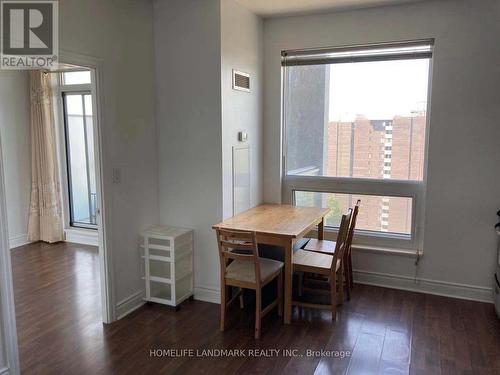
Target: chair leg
[258, 311]
[351, 280]
[222, 307]
[347, 283]
[280, 294]
[333, 295]
[242, 303]
[340, 275]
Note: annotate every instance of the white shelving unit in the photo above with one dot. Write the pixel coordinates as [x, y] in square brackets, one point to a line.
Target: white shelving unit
[168, 264]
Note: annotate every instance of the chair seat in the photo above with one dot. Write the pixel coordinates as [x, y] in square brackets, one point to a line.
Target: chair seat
[244, 270]
[321, 246]
[309, 261]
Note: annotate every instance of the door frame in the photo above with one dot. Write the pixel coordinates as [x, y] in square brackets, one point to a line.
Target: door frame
[7, 306]
[7, 309]
[103, 206]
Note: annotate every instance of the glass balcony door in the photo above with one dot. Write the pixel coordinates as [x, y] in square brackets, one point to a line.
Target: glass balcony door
[79, 133]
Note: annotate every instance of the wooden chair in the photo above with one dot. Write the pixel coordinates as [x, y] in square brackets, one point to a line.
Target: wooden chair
[242, 267]
[328, 247]
[326, 265]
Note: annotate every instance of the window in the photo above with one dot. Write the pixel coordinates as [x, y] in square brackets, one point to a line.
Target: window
[355, 127]
[377, 210]
[76, 77]
[80, 158]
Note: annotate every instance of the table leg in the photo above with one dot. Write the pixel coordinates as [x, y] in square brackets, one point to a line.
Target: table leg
[321, 229]
[288, 281]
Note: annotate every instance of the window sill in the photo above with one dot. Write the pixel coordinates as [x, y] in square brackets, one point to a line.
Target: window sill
[388, 250]
[380, 249]
[332, 231]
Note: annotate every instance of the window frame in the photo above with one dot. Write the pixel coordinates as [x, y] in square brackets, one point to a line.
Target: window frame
[413, 189]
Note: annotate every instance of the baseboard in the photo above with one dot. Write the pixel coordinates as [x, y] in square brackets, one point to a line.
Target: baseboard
[436, 287]
[17, 241]
[129, 304]
[440, 288]
[207, 295]
[82, 236]
[4, 371]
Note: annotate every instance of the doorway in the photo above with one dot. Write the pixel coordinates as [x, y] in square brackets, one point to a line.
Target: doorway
[81, 186]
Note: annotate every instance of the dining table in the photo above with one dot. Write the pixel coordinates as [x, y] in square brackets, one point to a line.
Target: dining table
[280, 225]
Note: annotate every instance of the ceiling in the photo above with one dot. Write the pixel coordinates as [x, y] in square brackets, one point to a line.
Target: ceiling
[276, 8]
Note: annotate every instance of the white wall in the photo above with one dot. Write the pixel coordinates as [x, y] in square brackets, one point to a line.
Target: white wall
[242, 49]
[188, 105]
[120, 33]
[197, 44]
[16, 151]
[3, 361]
[464, 151]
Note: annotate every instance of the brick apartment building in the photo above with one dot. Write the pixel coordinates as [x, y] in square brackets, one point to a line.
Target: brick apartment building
[381, 149]
[387, 148]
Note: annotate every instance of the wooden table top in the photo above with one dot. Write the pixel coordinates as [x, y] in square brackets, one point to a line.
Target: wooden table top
[275, 219]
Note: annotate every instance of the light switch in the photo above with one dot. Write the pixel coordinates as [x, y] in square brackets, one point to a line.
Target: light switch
[242, 136]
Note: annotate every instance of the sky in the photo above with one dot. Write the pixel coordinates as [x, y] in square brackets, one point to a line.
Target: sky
[377, 90]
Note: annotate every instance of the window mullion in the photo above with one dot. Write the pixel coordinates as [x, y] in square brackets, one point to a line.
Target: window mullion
[353, 185]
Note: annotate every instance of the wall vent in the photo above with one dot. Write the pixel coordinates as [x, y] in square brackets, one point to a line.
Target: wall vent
[241, 81]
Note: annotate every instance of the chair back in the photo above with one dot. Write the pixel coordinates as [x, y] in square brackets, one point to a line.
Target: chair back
[352, 227]
[237, 245]
[341, 242]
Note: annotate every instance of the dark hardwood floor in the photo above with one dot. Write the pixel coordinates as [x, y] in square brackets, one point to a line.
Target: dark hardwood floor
[384, 331]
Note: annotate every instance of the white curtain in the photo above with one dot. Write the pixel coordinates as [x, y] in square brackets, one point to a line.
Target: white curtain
[45, 217]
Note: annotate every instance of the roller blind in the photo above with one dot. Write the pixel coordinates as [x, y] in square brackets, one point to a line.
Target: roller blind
[420, 49]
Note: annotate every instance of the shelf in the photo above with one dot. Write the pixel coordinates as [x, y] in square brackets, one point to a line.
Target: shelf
[169, 253]
[157, 247]
[184, 275]
[182, 256]
[157, 279]
[166, 232]
[158, 257]
[161, 300]
[183, 298]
